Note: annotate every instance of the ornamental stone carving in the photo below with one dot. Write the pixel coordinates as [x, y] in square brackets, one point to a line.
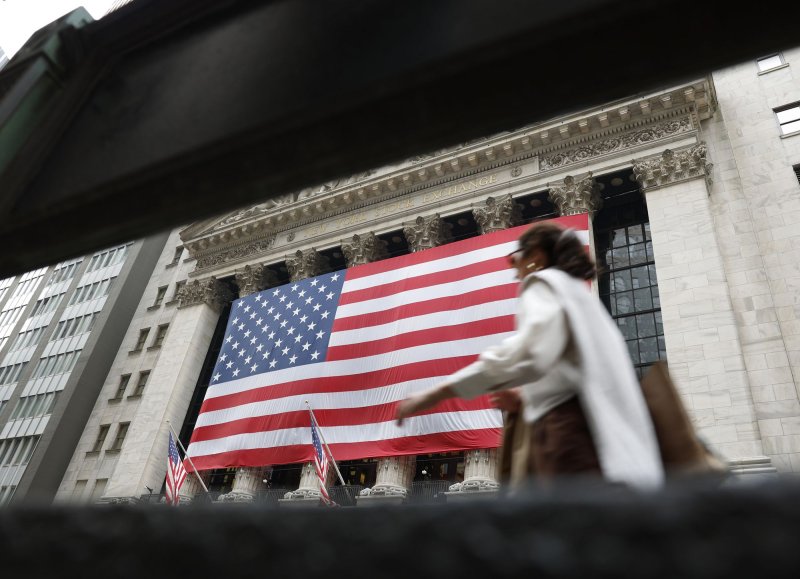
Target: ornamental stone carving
[393, 476]
[574, 197]
[236, 253]
[209, 291]
[497, 214]
[306, 264]
[245, 486]
[673, 167]
[427, 232]
[361, 249]
[632, 139]
[254, 278]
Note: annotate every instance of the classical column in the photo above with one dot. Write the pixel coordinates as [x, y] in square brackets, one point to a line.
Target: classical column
[394, 477]
[245, 487]
[191, 487]
[572, 197]
[480, 474]
[254, 278]
[301, 265]
[361, 249]
[170, 388]
[704, 348]
[427, 232]
[497, 214]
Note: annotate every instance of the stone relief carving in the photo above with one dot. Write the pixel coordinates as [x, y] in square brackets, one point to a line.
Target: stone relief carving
[427, 232]
[241, 252]
[574, 197]
[254, 278]
[306, 264]
[497, 214]
[361, 249]
[672, 167]
[236, 497]
[625, 141]
[208, 291]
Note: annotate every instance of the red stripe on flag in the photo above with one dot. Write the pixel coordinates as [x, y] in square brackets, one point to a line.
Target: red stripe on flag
[475, 329]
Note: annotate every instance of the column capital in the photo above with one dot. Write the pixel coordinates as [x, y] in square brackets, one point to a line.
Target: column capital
[576, 196]
[361, 249]
[209, 291]
[304, 264]
[673, 167]
[255, 278]
[427, 232]
[497, 214]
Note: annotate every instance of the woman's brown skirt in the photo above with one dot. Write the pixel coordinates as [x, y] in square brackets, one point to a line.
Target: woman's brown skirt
[558, 444]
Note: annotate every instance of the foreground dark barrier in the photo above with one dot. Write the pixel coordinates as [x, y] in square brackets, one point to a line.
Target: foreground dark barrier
[698, 530]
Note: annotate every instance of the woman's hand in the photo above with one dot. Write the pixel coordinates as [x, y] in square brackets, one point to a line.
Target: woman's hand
[420, 401]
[507, 400]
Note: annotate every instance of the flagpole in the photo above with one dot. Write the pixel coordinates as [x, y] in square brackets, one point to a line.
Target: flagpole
[187, 457]
[322, 436]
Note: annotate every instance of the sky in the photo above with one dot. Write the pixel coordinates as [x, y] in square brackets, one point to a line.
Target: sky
[19, 19]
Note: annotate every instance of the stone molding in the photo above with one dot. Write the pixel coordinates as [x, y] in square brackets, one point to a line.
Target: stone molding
[255, 278]
[210, 242]
[673, 167]
[573, 197]
[361, 249]
[306, 264]
[209, 291]
[617, 143]
[427, 232]
[497, 214]
[238, 253]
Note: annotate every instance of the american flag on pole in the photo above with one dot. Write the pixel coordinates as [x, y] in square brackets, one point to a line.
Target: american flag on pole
[354, 343]
[176, 473]
[320, 462]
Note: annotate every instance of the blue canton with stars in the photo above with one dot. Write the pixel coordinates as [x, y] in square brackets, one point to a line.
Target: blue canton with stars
[279, 328]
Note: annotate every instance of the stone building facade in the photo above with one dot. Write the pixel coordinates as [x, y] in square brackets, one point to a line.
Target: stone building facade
[693, 198]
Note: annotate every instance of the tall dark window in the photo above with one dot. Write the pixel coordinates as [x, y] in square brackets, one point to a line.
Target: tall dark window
[627, 281]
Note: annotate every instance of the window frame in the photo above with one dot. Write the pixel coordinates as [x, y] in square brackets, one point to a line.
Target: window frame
[102, 434]
[796, 121]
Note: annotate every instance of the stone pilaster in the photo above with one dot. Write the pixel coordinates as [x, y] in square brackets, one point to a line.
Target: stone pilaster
[497, 214]
[209, 291]
[480, 474]
[426, 232]
[394, 476]
[361, 249]
[305, 264]
[246, 483]
[673, 167]
[573, 197]
[308, 489]
[192, 488]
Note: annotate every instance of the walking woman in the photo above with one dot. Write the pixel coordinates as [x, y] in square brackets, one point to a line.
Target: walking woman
[569, 363]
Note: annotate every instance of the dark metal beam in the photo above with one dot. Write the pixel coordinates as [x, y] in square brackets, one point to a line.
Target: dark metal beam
[168, 112]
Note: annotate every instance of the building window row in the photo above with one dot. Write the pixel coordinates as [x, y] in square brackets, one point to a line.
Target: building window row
[10, 316]
[73, 326]
[161, 333]
[91, 291]
[57, 364]
[33, 406]
[125, 379]
[47, 305]
[102, 434]
[10, 374]
[64, 273]
[17, 451]
[28, 338]
[107, 258]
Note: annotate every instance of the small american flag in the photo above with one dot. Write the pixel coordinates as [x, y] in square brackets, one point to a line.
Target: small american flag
[353, 344]
[320, 462]
[176, 473]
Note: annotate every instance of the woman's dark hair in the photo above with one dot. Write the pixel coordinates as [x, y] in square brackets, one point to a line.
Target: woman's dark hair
[563, 248]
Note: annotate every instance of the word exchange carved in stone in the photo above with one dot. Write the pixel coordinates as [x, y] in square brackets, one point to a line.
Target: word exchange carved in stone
[617, 143]
[235, 253]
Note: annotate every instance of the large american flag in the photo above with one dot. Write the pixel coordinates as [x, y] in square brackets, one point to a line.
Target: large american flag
[176, 473]
[354, 343]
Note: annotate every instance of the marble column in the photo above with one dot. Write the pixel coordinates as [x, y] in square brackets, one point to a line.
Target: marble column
[248, 480]
[427, 232]
[192, 488]
[703, 344]
[170, 388]
[301, 265]
[393, 481]
[497, 214]
[361, 249]
[573, 197]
